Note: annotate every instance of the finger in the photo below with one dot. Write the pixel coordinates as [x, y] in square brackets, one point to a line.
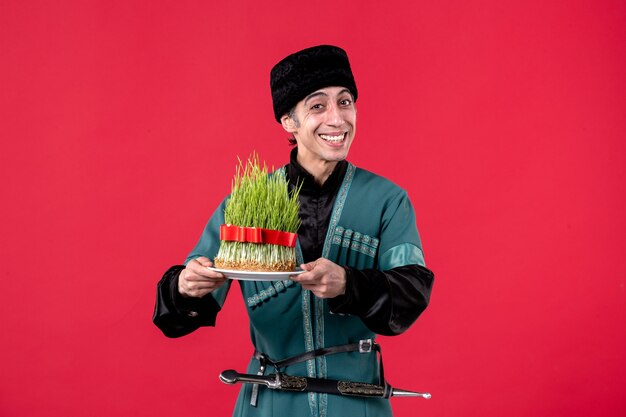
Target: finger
[198, 293]
[308, 266]
[309, 275]
[199, 288]
[202, 275]
[304, 277]
[206, 276]
[310, 282]
[195, 287]
[198, 268]
[204, 261]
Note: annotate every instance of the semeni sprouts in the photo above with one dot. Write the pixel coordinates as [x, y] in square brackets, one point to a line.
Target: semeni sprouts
[261, 200]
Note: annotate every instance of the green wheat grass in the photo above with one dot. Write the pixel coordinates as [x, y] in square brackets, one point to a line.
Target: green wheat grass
[260, 199]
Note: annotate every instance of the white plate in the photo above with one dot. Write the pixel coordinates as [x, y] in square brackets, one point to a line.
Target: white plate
[256, 275]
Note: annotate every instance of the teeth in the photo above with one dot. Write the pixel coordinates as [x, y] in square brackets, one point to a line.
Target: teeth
[337, 138]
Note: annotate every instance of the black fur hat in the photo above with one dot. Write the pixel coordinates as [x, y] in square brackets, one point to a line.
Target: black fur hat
[303, 72]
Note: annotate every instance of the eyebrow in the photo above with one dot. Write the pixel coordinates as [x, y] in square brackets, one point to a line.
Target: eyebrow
[316, 94]
[321, 93]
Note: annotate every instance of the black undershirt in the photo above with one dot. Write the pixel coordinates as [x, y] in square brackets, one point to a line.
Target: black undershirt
[316, 204]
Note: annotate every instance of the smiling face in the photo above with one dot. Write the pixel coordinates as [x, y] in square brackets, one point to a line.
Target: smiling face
[323, 124]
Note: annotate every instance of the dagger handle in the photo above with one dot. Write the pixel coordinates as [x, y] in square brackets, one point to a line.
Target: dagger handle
[231, 377]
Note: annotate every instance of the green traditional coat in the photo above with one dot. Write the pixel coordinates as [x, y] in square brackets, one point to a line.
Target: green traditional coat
[372, 226]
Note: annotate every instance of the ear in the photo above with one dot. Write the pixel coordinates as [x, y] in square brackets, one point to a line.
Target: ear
[288, 123]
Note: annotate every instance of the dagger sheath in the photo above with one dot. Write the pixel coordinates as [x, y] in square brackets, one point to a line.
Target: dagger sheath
[328, 386]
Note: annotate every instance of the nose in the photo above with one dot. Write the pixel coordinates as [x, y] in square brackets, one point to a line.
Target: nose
[334, 117]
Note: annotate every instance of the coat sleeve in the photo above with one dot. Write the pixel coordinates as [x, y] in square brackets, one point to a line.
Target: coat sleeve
[176, 315]
[388, 302]
[391, 296]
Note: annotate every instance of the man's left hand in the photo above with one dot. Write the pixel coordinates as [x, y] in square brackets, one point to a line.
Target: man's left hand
[325, 279]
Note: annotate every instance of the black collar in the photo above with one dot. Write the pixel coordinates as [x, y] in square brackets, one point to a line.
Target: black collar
[298, 175]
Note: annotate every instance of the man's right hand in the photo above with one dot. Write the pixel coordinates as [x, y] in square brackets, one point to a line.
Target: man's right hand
[196, 280]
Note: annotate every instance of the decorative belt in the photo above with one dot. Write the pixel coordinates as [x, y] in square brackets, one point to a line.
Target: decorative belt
[284, 382]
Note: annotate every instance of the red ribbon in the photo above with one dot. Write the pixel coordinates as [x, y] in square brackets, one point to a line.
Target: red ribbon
[257, 235]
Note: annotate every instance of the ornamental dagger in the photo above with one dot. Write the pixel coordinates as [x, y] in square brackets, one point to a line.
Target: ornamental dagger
[329, 386]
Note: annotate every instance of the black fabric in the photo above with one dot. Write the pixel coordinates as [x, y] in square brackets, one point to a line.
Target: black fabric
[389, 301]
[316, 205]
[176, 315]
[306, 71]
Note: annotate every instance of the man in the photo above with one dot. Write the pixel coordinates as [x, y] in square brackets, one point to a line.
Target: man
[358, 244]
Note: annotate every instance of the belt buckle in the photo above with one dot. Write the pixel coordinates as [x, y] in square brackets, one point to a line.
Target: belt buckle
[365, 345]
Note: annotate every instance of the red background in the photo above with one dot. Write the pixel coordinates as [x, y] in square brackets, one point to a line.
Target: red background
[121, 122]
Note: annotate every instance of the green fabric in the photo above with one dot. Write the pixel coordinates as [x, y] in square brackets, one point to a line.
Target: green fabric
[372, 226]
[403, 254]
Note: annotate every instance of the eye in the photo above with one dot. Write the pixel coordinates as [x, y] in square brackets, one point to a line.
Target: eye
[317, 106]
[345, 102]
